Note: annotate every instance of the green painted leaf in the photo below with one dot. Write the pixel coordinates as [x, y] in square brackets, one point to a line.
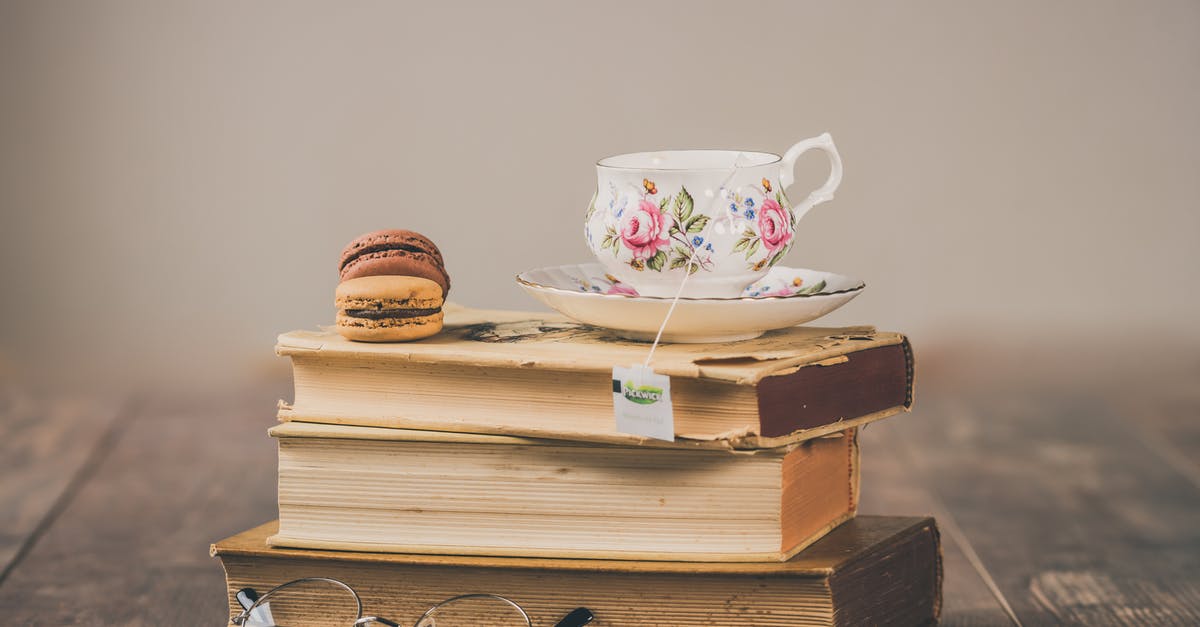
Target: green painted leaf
[813, 289]
[776, 258]
[662, 205]
[683, 204]
[678, 262]
[657, 262]
[697, 224]
[613, 241]
[693, 268]
[741, 245]
[606, 242]
[674, 230]
[749, 233]
[753, 248]
[779, 198]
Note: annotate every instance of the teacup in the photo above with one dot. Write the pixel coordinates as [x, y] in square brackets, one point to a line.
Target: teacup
[720, 215]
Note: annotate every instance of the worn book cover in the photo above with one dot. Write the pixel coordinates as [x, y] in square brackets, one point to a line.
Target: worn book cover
[540, 375]
[872, 570]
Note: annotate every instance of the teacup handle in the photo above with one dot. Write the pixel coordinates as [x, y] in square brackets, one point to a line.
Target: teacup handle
[787, 174]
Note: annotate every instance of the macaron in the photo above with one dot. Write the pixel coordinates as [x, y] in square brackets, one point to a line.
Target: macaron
[394, 252]
[388, 308]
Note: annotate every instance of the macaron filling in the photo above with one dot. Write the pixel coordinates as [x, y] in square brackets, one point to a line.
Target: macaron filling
[384, 247]
[385, 314]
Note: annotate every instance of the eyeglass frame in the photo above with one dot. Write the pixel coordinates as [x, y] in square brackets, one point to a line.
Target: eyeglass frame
[363, 621]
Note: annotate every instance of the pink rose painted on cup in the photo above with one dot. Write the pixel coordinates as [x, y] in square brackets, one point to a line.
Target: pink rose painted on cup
[774, 225]
[645, 229]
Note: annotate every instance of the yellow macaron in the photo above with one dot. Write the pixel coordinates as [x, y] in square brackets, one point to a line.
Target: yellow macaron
[388, 308]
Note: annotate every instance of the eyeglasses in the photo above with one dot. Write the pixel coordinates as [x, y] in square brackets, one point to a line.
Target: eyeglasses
[465, 609]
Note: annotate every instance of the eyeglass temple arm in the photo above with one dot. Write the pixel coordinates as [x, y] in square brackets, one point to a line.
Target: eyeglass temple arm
[246, 597]
[578, 617]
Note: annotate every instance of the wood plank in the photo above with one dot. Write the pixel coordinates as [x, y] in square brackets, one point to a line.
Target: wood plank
[44, 448]
[131, 548]
[1162, 405]
[1076, 518]
[892, 484]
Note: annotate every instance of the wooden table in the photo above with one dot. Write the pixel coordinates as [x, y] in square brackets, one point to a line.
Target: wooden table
[1058, 503]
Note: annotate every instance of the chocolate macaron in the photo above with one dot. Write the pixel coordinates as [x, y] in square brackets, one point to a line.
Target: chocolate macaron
[394, 252]
[388, 308]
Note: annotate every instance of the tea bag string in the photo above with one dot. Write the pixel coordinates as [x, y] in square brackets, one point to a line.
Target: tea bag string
[688, 267]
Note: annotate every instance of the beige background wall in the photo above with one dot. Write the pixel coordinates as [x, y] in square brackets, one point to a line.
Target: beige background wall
[177, 179]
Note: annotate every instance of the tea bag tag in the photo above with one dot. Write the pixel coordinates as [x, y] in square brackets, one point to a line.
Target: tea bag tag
[642, 402]
[642, 397]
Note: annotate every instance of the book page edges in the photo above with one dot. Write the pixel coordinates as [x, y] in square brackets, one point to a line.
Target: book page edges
[486, 551]
[741, 440]
[853, 484]
[302, 429]
[821, 560]
[821, 533]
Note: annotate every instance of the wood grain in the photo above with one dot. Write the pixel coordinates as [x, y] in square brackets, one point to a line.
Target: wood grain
[43, 449]
[1165, 411]
[892, 483]
[1076, 519]
[131, 547]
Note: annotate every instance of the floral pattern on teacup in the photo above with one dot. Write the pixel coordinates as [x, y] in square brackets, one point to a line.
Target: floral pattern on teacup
[658, 235]
[773, 228]
[658, 232]
[609, 284]
[779, 287]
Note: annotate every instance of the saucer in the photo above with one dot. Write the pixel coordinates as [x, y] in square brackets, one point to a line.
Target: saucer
[783, 298]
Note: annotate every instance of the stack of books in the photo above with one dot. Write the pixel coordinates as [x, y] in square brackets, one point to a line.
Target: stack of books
[487, 459]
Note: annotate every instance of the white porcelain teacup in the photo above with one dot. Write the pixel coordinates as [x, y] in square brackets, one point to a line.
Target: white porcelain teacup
[720, 214]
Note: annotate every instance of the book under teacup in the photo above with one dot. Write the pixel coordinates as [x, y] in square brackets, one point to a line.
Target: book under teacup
[541, 375]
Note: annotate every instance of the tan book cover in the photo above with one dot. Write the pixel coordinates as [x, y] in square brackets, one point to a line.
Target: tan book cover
[541, 375]
[406, 491]
[872, 570]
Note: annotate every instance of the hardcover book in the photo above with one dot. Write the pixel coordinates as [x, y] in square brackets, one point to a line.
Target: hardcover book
[406, 491]
[872, 570]
[540, 375]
